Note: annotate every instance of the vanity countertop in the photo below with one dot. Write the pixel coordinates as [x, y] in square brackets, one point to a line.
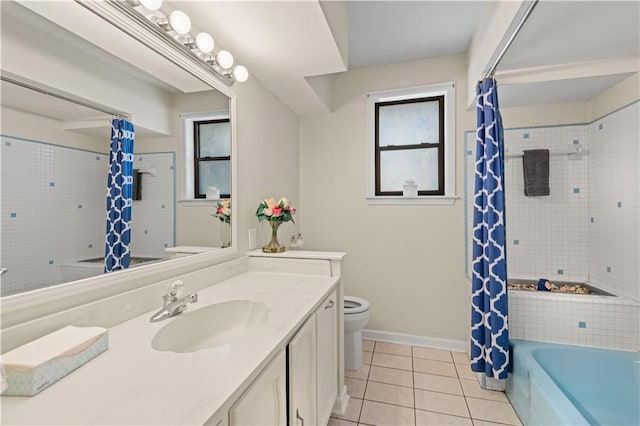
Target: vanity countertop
[133, 384]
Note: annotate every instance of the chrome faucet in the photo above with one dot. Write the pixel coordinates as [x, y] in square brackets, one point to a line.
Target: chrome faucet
[173, 305]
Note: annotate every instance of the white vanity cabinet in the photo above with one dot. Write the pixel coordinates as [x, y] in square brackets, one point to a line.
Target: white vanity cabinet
[303, 375]
[264, 402]
[313, 366]
[327, 357]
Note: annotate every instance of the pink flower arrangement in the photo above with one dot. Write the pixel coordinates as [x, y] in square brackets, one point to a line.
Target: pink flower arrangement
[223, 211]
[272, 211]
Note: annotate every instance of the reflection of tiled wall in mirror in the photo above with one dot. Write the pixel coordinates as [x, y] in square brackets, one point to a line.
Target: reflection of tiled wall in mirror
[53, 211]
[153, 220]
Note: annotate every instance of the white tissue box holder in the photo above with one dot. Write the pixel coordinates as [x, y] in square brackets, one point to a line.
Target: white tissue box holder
[31, 381]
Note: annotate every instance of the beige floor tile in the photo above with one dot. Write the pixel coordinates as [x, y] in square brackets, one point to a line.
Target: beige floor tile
[392, 376]
[339, 422]
[366, 357]
[460, 357]
[361, 374]
[355, 387]
[434, 367]
[392, 361]
[391, 394]
[441, 403]
[437, 383]
[352, 412]
[434, 354]
[471, 388]
[429, 418]
[379, 414]
[493, 411]
[464, 372]
[477, 422]
[393, 349]
[367, 345]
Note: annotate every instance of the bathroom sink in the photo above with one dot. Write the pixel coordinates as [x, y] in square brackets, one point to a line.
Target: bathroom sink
[210, 326]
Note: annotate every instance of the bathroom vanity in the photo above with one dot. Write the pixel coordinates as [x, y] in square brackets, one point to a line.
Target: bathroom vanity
[293, 304]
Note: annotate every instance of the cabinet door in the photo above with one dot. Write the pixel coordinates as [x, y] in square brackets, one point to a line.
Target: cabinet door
[327, 359]
[264, 403]
[302, 376]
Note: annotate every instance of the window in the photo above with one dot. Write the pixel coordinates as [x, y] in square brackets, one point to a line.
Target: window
[412, 137]
[208, 155]
[410, 145]
[212, 157]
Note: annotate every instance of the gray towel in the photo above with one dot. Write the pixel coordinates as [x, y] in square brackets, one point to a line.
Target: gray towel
[536, 172]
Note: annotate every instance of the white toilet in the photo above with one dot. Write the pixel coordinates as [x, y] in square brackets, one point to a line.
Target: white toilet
[356, 317]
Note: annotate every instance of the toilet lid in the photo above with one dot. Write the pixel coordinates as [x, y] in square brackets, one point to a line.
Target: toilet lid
[355, 305]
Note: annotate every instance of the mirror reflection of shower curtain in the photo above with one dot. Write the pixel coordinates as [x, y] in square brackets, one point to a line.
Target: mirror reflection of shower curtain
[489, 306]
[119, 196]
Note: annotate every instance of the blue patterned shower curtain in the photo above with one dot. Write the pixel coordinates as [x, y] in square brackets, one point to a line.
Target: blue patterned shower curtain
[489, 328]
[119, 196]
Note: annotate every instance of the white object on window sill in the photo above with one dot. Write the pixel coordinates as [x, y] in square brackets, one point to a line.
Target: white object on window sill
[410, 189]
[437, 200]
[212, 193]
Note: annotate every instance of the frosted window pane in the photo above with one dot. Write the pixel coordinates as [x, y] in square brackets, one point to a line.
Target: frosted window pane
[215, 140]
[408, 124]
[215, 173]
[419, 165]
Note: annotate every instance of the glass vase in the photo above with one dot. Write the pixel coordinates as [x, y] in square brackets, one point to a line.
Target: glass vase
[274, 246]
[225, 234]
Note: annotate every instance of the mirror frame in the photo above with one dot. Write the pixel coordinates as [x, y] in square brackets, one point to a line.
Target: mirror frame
[22, 307]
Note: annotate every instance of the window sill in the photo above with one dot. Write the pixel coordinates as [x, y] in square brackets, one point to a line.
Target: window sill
[445, 200]
[199, 202]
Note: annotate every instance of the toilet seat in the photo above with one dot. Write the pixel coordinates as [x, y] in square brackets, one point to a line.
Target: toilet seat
[355, 305]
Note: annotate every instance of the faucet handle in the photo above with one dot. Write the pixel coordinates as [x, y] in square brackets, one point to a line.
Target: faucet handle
[175, 289]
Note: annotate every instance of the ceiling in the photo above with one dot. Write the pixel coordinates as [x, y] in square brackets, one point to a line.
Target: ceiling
[384, 32]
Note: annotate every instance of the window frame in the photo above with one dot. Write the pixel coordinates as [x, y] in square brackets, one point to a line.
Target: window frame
[426, 145]
[447, 90]
[197, 159]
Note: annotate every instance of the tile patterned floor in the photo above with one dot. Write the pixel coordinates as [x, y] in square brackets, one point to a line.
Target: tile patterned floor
[407, 385]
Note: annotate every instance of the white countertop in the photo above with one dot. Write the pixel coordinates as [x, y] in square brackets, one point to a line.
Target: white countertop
[133, 384]
[300, 254]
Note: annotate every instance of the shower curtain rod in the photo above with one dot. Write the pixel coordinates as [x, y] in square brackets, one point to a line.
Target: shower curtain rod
[523, 19]
[85, 104]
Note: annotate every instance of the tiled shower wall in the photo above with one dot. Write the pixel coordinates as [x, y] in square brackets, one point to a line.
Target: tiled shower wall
[53, 201]
[586, 230]
[614, 200]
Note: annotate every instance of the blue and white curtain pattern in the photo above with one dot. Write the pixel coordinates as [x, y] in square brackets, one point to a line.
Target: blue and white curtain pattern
[489, 328]
[119, 196]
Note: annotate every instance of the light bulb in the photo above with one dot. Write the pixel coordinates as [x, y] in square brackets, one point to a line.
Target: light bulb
[224, 59]
[240, 73]
[179, 22]
[204, 42]
[151, 4]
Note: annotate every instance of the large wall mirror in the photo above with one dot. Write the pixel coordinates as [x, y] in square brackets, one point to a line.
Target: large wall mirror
[59, 92]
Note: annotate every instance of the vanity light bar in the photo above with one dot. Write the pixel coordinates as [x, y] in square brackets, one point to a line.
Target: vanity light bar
[176, 29]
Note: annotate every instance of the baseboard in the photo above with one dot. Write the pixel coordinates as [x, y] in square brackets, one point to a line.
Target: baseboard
[340, 407]
[415, 340]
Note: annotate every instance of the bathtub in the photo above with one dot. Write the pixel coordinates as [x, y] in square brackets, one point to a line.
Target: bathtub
[86, 268]
[554, 384]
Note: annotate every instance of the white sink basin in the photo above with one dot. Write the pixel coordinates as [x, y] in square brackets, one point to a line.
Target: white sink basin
[211, 326]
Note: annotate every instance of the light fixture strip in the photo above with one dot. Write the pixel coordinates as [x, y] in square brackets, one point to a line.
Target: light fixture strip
[168, 41]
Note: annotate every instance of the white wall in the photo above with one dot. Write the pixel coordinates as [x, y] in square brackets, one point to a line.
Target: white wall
[406, 260]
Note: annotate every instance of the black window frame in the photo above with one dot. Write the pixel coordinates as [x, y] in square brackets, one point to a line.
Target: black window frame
[197, 159]
[429, 145]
